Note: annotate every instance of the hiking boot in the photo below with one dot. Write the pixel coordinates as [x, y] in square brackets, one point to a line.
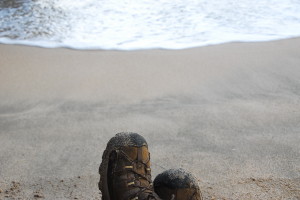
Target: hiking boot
[177, 184]
[125, 172]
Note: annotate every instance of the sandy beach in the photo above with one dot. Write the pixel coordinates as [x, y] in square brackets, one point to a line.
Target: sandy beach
[229, 113]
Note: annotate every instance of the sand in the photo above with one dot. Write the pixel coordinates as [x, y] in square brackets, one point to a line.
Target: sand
[229, 113]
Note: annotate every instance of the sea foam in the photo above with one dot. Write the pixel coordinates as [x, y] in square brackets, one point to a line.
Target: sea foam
[145, 24]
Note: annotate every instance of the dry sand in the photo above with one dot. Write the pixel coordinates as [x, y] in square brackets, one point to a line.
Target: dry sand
[229, 113]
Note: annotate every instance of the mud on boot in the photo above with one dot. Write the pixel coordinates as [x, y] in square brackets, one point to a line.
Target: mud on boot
[177, 184]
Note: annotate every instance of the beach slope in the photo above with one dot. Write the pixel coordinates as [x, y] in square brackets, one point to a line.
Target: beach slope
[228, 113]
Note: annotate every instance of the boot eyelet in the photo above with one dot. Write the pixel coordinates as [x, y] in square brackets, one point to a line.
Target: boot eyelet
[139, 165]
[128, 167]
[130, 183]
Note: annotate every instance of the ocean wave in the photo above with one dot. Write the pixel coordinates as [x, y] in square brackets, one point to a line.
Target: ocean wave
[145, 24]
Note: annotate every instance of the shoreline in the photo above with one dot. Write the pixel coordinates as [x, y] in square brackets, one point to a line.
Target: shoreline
[231, 111]
[49, 45]
[52, 45]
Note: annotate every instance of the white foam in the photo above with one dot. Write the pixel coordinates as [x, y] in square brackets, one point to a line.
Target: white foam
[144, 24]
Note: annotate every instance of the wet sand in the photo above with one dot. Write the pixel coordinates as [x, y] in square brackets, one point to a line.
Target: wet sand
[228, 113]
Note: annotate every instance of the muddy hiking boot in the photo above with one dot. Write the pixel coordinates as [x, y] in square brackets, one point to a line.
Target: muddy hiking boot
[177, 184]
[125, 172]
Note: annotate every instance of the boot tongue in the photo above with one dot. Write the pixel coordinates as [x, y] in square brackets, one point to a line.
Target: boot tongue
[141, 163]
[139, 154]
